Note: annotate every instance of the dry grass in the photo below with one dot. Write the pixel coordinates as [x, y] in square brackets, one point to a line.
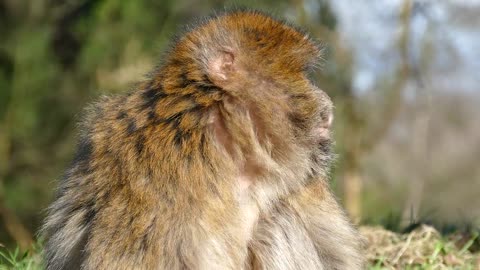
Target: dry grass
[423, 248]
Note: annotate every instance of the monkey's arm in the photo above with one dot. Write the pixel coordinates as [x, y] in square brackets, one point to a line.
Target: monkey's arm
[307, 230]
[337, 242]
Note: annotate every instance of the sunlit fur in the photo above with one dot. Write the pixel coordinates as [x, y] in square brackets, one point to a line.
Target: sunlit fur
[217, 161]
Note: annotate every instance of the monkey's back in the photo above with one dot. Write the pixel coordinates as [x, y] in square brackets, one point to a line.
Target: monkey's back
[128, 183]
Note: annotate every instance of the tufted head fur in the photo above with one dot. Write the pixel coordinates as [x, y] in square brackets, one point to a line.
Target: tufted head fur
[258, 66]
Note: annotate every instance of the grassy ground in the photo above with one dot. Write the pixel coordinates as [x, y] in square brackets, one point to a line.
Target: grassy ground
[423, 248]
[16, 259]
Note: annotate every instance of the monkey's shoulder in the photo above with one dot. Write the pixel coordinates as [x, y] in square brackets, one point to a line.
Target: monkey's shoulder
[135, 128]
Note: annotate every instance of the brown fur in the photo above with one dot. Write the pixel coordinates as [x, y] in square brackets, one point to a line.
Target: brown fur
[217, 161]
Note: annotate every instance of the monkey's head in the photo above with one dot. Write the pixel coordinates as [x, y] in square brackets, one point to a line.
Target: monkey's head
[261, 66]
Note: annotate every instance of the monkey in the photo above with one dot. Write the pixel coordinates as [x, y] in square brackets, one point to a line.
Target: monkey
[219, 159]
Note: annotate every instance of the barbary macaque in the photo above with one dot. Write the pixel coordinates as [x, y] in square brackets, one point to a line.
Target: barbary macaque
[218, 160]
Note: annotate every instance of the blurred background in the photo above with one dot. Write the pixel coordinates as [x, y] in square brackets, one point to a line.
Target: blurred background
[403, 74]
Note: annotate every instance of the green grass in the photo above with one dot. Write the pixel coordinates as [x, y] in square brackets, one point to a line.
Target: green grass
[28, 260]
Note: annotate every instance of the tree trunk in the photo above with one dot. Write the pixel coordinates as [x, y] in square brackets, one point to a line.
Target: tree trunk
[15, 228]
[353, 193]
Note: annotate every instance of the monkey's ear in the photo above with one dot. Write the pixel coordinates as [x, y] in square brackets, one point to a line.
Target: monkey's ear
[221, 66]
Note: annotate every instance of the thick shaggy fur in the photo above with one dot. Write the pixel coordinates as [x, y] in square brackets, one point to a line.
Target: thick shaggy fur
[217, 161]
